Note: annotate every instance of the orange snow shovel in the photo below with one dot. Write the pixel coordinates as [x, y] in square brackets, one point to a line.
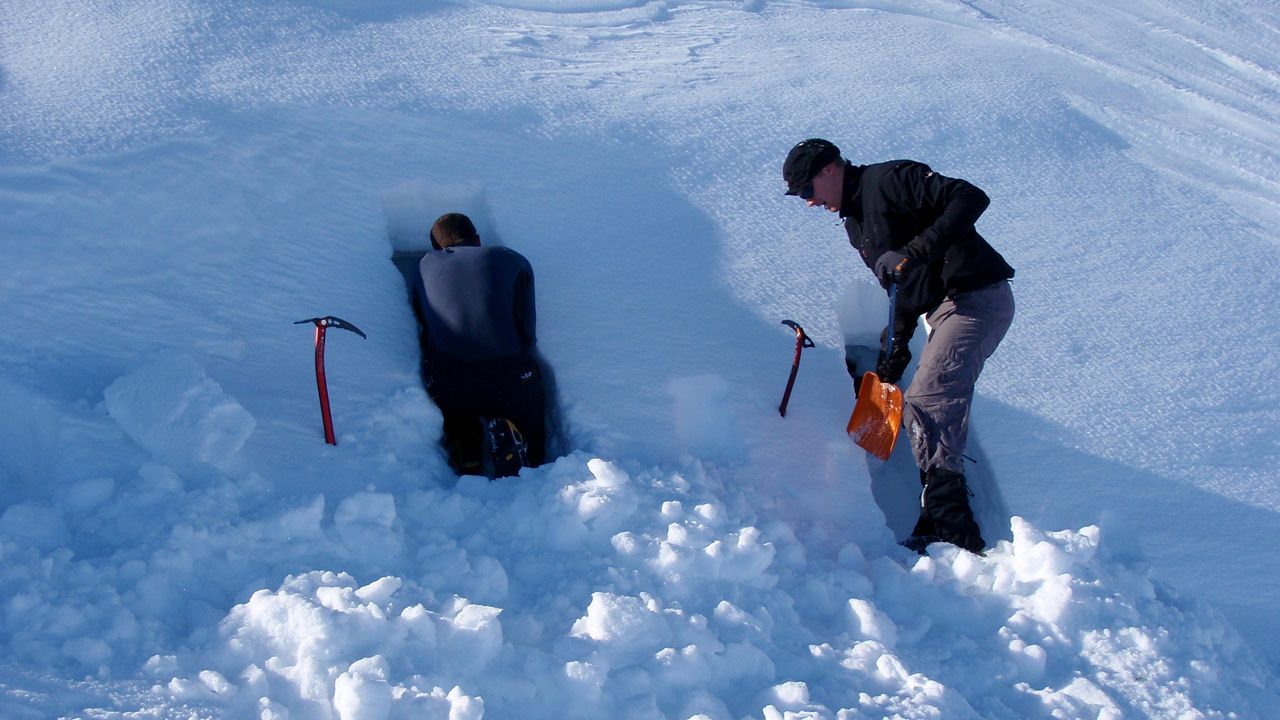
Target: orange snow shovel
[877, 416]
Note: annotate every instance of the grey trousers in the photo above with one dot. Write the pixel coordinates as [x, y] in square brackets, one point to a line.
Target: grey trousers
[964, 331]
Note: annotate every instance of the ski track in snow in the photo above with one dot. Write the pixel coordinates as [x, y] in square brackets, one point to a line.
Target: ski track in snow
[196, 176]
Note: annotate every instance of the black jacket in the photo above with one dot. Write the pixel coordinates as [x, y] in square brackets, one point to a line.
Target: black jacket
[903, 205]
[476, 304]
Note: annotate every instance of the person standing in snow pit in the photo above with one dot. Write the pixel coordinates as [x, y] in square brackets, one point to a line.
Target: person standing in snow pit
[476, 308]
[915, 227]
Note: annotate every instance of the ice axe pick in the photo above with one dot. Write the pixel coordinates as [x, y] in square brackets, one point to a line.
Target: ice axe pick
[321, 324]
[802, 342]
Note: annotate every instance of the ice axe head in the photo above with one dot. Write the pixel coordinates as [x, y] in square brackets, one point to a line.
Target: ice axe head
[331, 321]
[322, 385]
[801, 337]
[802, 342]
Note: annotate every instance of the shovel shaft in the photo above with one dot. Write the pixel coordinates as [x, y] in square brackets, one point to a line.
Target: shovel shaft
[893, 308]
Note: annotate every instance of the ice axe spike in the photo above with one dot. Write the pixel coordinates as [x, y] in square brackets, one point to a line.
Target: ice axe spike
[321, 324]
[802, 342]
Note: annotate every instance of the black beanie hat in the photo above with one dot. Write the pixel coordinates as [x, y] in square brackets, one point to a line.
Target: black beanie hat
[805, 160]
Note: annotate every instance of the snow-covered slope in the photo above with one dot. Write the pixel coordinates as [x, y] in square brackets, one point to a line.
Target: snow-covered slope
[182, 181]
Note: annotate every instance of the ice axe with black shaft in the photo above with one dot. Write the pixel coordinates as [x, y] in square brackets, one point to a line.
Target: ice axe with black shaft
[802, 342]
[877, 416]
[321, 324]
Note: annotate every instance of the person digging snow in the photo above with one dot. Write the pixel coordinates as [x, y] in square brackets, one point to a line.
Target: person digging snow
[476, 308]
[915, 227]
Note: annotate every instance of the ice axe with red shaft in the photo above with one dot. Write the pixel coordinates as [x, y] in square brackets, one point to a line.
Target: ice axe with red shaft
[802, 342]
[321, 324]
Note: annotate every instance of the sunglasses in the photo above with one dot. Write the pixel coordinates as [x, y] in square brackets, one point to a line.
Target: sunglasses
[806, 193]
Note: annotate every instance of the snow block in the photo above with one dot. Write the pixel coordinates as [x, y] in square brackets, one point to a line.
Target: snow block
[867, 622]
[172, 409]
[472, 638]
[627, 629]
[35, 524]
[365, 522]
[705, 420]
[362, 692]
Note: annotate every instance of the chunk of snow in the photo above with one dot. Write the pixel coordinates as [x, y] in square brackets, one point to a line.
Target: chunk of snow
[171, 408]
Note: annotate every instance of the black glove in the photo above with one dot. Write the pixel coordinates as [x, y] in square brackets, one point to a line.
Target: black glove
[890, 265]
[889, 369]
[893, 361]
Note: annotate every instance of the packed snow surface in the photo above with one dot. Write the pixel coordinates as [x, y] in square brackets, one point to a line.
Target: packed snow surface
[181, 181]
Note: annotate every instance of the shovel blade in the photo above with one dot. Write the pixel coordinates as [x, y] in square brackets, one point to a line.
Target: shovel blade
[877, 417]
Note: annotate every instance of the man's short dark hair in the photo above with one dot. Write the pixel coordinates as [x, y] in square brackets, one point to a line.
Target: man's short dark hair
[453, 229]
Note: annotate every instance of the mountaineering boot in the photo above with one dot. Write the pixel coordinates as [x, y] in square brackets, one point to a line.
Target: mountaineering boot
[505, 447]
[923, 533]
[464, 448]
[945, 515]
